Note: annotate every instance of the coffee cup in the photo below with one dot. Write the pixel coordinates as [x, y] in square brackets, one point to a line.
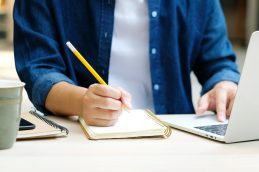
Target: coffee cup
[10, 111]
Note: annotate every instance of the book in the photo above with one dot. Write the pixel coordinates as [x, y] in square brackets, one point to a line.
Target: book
[44, 127]
[133, 124]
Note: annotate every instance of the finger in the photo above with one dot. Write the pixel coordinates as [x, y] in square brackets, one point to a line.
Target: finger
[106, 114]
[125, 98]
[105, 91]
[100, 122]
[221, 104]
[107, 103]
[203, 104]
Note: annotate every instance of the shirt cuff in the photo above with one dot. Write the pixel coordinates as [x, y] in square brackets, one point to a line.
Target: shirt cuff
[42, 87]
[224, 75]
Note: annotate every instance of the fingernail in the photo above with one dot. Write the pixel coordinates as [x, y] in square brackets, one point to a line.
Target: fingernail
[200, 110]
[128, 104]
[222, 118]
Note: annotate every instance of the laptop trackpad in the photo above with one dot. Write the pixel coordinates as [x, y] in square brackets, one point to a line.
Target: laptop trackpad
[190, 121]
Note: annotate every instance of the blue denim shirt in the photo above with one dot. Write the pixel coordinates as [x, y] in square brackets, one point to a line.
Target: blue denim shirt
[185, 36]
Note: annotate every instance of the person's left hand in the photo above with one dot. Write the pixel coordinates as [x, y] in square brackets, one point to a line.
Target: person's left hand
[219, 99]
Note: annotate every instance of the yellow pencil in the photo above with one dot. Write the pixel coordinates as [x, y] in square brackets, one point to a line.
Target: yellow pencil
[89, 67]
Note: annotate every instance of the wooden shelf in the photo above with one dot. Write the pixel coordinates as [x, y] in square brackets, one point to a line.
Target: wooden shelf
[3, 8]
[235, 13]
[6, 10]
[242, 19]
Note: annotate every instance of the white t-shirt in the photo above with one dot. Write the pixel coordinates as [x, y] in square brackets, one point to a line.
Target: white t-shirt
[129, 62]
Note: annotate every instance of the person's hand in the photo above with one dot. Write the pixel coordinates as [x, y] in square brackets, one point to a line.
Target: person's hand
[102, 104]
[219, 99]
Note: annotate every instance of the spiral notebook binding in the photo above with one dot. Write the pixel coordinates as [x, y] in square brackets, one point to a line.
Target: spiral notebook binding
[49, 122]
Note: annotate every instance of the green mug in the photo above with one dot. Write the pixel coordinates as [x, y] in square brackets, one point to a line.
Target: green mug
[10, 111]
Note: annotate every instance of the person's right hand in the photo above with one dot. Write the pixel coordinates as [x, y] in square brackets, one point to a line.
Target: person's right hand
[101, 104]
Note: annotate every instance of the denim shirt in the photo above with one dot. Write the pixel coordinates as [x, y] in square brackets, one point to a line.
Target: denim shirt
[185, 36]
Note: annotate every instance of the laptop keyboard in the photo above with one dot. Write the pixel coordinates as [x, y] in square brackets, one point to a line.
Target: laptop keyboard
[215, 129]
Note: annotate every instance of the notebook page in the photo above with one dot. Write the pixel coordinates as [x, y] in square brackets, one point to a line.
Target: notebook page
[136, 120]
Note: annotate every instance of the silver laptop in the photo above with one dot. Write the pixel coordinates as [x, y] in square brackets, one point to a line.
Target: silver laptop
[243, 124]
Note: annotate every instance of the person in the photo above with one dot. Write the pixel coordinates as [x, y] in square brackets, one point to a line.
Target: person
[145, 50]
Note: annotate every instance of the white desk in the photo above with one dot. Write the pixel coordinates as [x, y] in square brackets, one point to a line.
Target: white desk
[180, 152]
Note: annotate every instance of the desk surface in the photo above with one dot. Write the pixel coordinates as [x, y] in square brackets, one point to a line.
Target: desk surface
[181, 152]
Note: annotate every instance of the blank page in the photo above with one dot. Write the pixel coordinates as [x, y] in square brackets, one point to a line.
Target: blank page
[136, 120]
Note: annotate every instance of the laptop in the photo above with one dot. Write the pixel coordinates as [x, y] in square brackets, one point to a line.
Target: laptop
[243, 124]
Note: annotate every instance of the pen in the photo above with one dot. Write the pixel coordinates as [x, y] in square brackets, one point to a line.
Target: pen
[89, 67]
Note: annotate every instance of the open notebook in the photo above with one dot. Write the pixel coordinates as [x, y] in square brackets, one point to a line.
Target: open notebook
[44, 128]
[137, 123]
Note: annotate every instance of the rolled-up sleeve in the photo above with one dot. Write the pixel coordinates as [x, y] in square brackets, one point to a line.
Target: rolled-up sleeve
[216, 60]
[38, 57]
[42, 86]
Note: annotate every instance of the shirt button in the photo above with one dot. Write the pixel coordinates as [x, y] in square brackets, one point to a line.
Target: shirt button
[103, 72]
[109, 2]
[156, 87]
[105, 34]
[153, 51]
[154, 14]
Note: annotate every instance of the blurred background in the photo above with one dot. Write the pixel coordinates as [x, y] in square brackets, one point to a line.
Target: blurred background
[242, 18]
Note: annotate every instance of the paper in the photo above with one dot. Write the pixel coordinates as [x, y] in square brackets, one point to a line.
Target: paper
[136, 120]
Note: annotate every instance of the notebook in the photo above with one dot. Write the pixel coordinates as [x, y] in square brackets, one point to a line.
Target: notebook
[136, 123]
[44, 128]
